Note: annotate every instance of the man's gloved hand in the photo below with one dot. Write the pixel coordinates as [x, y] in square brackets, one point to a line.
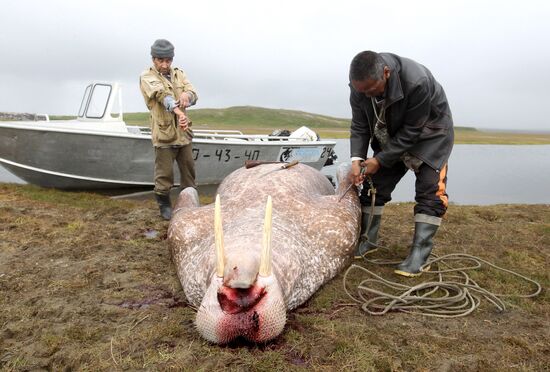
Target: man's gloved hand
[357, 172]
[184, 100]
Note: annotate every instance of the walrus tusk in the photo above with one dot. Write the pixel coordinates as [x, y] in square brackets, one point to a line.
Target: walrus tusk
[265, 258]
[218, 237]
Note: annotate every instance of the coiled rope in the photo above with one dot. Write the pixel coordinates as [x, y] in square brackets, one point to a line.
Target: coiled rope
[454, 294]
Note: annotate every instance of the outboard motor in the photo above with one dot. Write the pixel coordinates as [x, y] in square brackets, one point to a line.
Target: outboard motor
[331, 158]
[304, 133]
[280, 133]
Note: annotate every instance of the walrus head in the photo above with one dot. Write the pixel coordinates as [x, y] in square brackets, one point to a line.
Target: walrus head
[243, 298]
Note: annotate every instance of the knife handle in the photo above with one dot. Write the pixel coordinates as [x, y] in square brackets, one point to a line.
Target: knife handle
[291, 164]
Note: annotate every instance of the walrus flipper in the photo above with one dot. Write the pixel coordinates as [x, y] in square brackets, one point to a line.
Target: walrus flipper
[188, 199]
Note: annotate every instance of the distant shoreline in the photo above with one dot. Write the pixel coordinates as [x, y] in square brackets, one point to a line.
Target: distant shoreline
[516, 131]
[259, 120]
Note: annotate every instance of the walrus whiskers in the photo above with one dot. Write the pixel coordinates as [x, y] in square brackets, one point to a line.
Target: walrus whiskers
[218, 236]
[265, 258]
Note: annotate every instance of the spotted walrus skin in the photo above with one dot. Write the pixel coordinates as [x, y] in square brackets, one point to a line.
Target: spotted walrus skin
[313, 237]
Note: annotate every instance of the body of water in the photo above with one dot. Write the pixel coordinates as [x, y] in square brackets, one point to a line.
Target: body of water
[485, 174]
[478, 174]
[6, 176]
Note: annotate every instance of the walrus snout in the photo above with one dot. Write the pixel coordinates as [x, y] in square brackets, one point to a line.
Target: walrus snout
[237, 300]
[257, 313]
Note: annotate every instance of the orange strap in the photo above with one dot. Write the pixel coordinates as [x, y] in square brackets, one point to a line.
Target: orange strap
[442, 187]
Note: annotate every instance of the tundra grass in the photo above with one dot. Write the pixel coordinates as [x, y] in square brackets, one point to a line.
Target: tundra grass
[85, 286]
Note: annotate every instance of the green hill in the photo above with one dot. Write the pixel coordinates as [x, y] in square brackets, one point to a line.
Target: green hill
[259, 120]
[250, 119]
[246, 118]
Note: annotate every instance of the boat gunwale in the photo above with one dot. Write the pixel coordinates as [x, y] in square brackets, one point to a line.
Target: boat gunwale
[233, 139]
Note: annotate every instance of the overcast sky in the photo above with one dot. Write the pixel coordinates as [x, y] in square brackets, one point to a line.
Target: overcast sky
[492, 57]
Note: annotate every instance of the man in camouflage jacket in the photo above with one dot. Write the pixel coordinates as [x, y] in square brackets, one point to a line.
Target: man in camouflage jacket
[167, 93]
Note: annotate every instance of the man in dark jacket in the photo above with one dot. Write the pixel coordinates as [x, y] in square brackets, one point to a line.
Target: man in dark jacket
[401, 111]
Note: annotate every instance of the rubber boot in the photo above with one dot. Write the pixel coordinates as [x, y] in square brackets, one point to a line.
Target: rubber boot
[368, 239]
[165, 205]
[421, 248]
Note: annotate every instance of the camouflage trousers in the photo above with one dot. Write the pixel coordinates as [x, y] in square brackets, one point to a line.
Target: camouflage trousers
[164, 167]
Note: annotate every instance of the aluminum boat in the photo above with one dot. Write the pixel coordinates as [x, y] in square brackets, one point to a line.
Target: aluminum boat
[98, 150]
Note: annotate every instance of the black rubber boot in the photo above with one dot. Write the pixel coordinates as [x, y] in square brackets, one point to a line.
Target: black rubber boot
[165, 205]
[420, 250]
[368, 239]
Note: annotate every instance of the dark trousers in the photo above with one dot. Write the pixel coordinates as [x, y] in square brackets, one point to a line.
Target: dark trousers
[430, 188]
[164, 167]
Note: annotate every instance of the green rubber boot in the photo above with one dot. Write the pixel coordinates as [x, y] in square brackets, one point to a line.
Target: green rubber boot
[165, 205]
[368, 239]
[425, 228]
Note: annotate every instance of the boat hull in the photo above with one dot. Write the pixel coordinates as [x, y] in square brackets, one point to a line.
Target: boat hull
[66, 159]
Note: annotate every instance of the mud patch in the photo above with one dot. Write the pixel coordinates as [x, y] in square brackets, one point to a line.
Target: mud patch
[159, 297]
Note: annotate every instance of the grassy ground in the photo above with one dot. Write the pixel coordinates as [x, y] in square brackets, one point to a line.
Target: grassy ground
[257, 120]
[85, 284]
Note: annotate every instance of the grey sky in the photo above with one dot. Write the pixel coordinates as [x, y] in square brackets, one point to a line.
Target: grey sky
[491, 57]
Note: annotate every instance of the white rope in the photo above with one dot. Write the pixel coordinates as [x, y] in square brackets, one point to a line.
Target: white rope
[454, 294]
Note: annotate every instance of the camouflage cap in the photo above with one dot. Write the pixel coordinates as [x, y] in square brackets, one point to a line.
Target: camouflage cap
[162, 48]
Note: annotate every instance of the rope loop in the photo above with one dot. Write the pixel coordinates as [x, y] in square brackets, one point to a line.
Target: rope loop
[453, 294]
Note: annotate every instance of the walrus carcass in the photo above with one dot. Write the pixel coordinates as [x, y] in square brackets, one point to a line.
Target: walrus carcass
[272, 258]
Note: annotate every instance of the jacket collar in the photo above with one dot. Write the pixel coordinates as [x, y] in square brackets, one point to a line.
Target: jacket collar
[162, 76]
[394, 91]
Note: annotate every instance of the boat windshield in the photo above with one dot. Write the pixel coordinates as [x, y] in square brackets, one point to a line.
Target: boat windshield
[84, 102]
[95, 101]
